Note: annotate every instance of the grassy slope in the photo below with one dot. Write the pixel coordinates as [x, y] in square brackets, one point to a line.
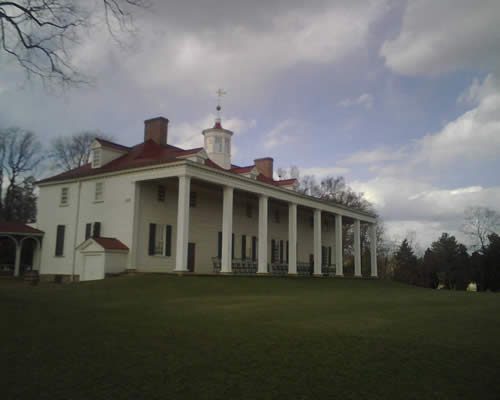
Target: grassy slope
[157, 336]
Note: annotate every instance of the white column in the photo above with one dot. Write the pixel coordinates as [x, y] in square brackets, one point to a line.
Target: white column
[227, 230]
[292, 239]
[339, 259]
[357, 248]
[17, 262]
[373, 249]
[317, 242]
[263, 212]
[133, 257]
[182, 224]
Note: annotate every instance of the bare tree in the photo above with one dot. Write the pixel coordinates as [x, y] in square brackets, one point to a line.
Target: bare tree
[479, 223]
[39, 34]
[69, 152]
[20, 158]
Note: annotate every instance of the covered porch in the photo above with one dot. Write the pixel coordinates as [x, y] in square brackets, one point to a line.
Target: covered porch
[277, 231]
[19, 235]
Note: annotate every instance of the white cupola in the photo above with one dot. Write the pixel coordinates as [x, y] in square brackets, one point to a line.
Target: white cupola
[217, 143]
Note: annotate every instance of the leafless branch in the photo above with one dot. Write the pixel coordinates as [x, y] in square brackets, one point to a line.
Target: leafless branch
[39, 34]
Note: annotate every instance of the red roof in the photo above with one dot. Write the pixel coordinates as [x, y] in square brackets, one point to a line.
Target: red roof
[284, 182]
[241, 170]
[19, 228]
[147, 154]
[107, 143]
[110, 243]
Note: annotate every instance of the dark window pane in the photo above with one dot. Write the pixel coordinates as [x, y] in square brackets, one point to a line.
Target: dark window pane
[152, 239]
[168, 241]
[88, 231]
[60, 240]
[244, 247]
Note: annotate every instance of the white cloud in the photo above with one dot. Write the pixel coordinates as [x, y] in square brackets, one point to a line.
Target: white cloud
[447, 35]
[322, 172]
[240, 55]
[413, 205]
[285, 132]
[474, 136]
[365, 100]
[374, 156]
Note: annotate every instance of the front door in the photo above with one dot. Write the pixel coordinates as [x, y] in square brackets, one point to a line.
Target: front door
[191, 255]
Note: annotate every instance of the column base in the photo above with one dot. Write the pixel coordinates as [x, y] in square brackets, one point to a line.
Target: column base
[293, 274]
[358, 276]
[318, 275]
[226, 273]
[262, 273]
[339, 275]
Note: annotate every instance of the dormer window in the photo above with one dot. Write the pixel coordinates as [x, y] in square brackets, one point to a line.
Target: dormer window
[96, 158]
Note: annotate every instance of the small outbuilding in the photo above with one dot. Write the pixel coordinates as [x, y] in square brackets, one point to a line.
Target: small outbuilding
[102, 256]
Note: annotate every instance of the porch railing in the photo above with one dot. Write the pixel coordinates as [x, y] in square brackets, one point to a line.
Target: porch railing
[247, 266]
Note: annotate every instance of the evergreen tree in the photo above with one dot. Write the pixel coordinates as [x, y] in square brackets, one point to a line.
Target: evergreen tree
[405, 264]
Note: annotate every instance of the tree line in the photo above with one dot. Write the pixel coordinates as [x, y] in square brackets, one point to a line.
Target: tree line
[446, 263]
[450, 264]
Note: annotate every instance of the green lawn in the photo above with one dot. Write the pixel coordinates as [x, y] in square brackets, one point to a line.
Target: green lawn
[169, 337]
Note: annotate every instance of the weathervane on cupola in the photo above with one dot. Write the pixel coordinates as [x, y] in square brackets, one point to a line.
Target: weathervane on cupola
[220, 93]
[217, 142]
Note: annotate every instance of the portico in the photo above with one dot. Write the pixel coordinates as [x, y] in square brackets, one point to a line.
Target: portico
[279, 217]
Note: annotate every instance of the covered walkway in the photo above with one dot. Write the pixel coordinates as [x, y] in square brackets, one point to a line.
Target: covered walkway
[19, 232]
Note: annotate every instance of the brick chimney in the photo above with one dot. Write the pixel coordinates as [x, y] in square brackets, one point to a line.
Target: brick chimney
[265, 166]
[156, 129]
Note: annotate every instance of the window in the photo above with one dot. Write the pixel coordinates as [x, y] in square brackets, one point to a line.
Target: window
[88, 231]
[99, 191]
[60, 240]
[192, 199]
[249, 210]
[218, 144]
[219, 246]
[277, 216]
[64, 196]
[274, 251]
[243, 247]
[97, 229]
[161, 193]
[324, 255]
[160, 240]
[287, 252]
[254, 248]
[227, 145]
[96, 158]
[281, 251]
[232, 247]
[329, 255]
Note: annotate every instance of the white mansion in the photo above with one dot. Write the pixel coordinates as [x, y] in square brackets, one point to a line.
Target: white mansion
[155, 207]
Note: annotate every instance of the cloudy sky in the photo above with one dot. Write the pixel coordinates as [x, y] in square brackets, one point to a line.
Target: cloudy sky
[400, 97]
